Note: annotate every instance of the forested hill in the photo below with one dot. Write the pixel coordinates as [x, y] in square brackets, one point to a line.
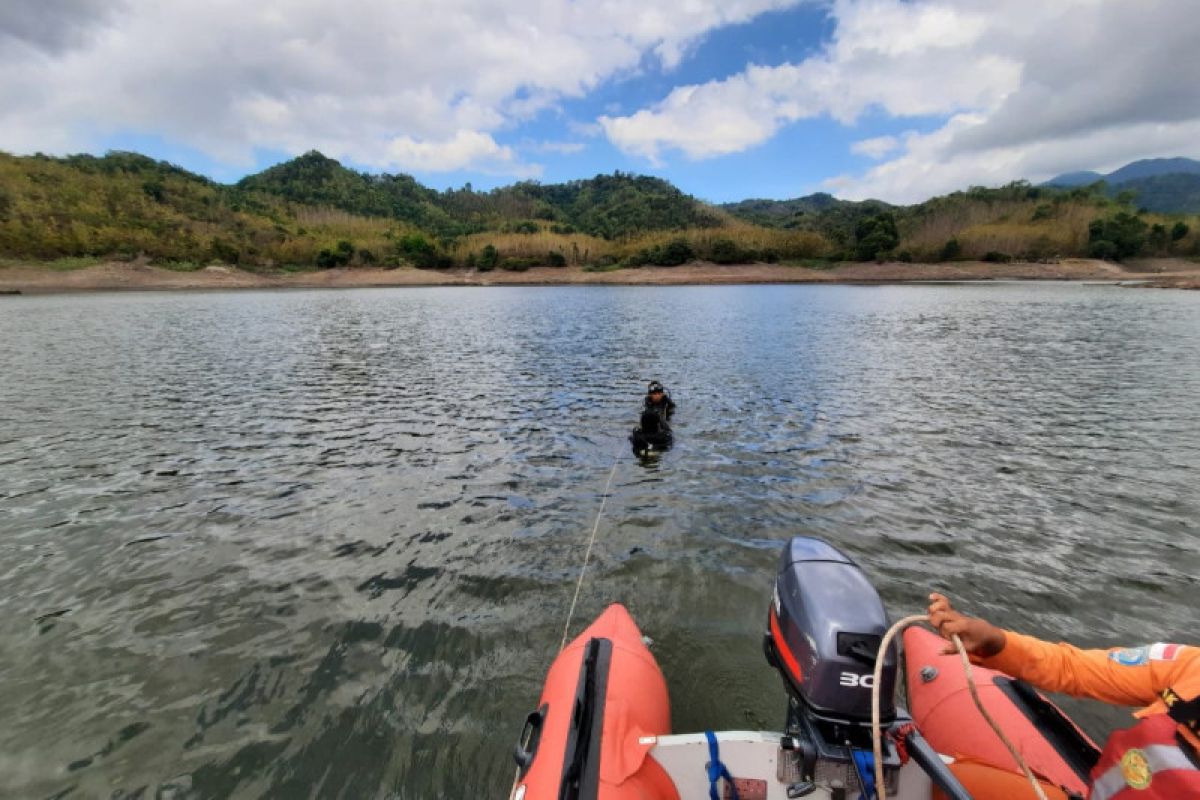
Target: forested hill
[790, 213]
[314, 180]
[608, 206]
[312, 211]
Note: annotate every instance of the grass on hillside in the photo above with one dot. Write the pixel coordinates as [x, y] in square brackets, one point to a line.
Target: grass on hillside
[66, 264]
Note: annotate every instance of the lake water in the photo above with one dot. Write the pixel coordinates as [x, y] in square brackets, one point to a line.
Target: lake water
[284, 544]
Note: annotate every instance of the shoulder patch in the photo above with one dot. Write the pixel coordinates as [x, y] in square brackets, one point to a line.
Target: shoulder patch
[1130, 656]
[1164, 652]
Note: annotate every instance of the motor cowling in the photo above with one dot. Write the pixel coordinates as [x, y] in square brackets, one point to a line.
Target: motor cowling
[824, 628]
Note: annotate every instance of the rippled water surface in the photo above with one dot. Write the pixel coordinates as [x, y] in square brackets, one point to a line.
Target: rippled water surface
[323, 543]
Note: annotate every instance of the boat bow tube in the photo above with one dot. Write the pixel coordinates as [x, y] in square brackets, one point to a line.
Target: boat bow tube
[603, 703]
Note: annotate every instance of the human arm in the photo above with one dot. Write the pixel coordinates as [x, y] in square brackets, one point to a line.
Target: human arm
[1130, 676]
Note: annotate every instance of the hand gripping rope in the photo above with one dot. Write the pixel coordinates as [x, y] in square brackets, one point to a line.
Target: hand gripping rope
[876, 741]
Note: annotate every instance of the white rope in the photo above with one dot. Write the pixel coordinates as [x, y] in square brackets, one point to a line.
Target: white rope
[587, 555]
[578, 585]
[966, 662]
[876, 737]
[595, 527]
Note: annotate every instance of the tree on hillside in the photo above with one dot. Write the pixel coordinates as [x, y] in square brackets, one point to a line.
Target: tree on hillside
[1122, 236]
[488, 258]
[1159, 239]
[876, 236]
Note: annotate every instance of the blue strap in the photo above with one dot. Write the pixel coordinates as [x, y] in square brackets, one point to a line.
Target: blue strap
[864, 762]
[717, 770]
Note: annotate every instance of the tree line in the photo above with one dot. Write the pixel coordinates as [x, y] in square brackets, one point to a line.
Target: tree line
[312, 211]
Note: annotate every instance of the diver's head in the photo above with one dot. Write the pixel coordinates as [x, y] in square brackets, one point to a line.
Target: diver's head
[655, 390]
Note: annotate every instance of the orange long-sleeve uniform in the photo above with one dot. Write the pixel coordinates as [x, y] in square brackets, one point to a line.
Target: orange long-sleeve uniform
[1134, 676]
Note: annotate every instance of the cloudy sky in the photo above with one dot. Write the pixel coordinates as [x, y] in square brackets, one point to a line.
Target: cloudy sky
[728, 99]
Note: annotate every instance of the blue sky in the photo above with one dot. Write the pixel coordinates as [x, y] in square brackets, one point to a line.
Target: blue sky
[727, 99]
[792, 164]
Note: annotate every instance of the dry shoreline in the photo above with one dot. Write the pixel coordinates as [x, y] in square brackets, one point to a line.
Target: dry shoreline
[134, 276]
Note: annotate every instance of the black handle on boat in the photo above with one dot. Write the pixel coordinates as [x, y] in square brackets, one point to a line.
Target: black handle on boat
[934, 767]
[531, 735]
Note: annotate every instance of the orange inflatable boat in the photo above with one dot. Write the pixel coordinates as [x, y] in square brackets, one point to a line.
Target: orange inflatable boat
[1057, 751]
[603, 703]
[602, 727]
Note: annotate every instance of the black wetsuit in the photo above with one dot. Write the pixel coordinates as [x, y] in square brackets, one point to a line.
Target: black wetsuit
[664, 408]
[652, 434]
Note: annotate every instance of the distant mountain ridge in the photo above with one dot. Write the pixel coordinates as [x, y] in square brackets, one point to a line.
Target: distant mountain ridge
[797, 212]
[1146, 168]
[1165, 185]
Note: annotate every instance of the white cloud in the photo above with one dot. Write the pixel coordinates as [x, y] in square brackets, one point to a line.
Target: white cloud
[464, 149]
[930, 164]
[875, 148]
[871, 62]
[1027, 89]
[407, 84]
[558, 148]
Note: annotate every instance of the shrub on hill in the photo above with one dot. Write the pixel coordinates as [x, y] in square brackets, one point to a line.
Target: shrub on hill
[1118, 237]
[875, 237]
[418, 251]
[337, 256]
[727, 251]
[488, 259]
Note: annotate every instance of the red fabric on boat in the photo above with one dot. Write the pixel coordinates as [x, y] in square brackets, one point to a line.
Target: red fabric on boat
[985, 782]
[946, 716]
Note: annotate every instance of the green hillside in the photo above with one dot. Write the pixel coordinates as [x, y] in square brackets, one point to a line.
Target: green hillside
[1017, 221]
[313, 212]
[608, 206]
[314, 180]
[1178, 192]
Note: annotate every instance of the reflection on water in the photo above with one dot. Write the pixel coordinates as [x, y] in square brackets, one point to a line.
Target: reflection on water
[282, 544]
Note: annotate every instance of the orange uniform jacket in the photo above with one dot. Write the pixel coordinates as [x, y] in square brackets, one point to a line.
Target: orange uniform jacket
[1132, 676]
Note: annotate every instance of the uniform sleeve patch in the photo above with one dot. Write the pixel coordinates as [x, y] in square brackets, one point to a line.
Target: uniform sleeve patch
[1130, 656]
[1164, 652]
[1137, 656]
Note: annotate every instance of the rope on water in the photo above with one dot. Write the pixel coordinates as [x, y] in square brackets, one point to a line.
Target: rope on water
[579, 584]
[876, 739]
[588, 554]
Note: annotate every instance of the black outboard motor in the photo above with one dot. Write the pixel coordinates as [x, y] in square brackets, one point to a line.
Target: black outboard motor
[824, 628]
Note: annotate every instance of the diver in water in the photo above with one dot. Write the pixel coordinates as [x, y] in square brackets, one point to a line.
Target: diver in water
[659, 401]
[652, 434]
[654, 431]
